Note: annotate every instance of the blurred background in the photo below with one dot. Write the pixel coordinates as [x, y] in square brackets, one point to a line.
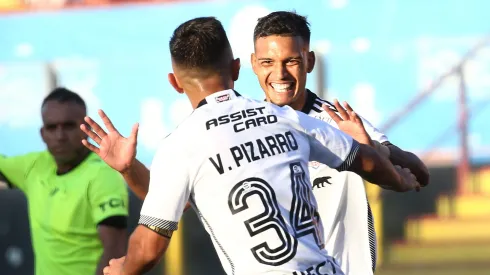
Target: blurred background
[418, 70]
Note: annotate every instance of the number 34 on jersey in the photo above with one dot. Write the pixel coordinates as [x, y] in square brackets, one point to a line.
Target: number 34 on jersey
[303, 216]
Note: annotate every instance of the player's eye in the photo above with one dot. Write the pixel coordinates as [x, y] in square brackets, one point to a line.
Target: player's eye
[293, 62]
[69, 125]
[50, 127]
[266, 63]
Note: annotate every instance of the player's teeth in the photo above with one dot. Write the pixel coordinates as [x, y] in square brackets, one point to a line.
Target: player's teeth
[281, 87]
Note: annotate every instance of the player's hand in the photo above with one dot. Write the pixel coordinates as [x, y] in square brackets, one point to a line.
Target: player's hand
[349, 122]
[114, 267]
[117, 151]
[408, 180]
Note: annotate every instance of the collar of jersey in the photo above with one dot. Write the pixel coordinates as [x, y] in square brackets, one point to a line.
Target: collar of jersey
[219, 97]
[310, 100]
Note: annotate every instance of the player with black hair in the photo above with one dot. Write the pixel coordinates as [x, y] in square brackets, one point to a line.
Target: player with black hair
[282, 61]
[242, 165]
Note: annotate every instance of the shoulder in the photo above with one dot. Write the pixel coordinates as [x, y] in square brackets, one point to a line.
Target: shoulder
[28, 156]
[316, 110]
[38, 160]
[40, 155]
[97, 170]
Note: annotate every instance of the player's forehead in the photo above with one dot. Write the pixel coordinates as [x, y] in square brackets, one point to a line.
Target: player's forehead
[55, 112]
[278, 47]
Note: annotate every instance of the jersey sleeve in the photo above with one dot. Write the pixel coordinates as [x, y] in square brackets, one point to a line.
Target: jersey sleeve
[328, 145]
[169, 188]
[15, 169]
[373, 132]
[108, 195]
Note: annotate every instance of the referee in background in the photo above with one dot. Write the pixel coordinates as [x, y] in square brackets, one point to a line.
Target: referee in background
[78, 205]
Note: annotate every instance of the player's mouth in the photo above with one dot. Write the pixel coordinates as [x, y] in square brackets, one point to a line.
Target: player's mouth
[282, 87]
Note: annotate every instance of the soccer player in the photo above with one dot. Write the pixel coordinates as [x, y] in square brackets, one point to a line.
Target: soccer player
[243, 166]
[282, 61]
[78, 205]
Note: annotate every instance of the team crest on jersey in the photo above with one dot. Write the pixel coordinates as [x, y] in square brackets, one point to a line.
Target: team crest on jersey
[314, 164]
[223, 98]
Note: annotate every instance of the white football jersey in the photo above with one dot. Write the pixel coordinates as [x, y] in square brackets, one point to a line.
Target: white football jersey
[243, 165]
[342, 204]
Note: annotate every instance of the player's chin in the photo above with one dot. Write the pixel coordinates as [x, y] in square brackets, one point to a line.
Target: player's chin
[281, 99]
[64, 157]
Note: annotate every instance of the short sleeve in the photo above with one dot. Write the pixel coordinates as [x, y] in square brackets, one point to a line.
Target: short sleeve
[108, 195]
[328, 145]
[15, 169]
[169, 188]
[373, 132]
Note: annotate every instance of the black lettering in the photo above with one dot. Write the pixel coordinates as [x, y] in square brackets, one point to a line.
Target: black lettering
[116, 203]
[309, 269]
[261, 120]
[250, 123]
[245, 153]
[271, 119]
[333, 268]
[282, 143]
[237, 128]
[261, 110]
[251, 112]
[262, 149]
[235, 116]
[252, 153]
[237, 154]
[212, 122]
[319, 266]
[113, 203]
[219, 165]
[272, 144]
[292, 141]
[223, 119]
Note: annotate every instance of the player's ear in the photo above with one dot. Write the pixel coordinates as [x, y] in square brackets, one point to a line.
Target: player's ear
[311, 61]
[235, 69]
[253, 61]
[175, 83]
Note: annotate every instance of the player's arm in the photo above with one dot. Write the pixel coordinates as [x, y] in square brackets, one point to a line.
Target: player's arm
[338, 150]
[108, 196]
[113, 235]
[3, 182]
[14, 170]
[408, 160]
[396, 155]
[138, 179]
[168, 194]
[137, 176]
[380, 142]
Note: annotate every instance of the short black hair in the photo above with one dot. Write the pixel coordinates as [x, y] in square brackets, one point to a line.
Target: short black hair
[62, 95]
[283, 23]
[200, 44]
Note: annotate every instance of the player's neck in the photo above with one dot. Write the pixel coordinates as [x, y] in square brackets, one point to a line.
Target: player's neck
[300, 102]
[63, 168]
[200, 89]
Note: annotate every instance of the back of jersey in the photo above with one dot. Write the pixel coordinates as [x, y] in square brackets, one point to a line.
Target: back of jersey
[243, 166]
